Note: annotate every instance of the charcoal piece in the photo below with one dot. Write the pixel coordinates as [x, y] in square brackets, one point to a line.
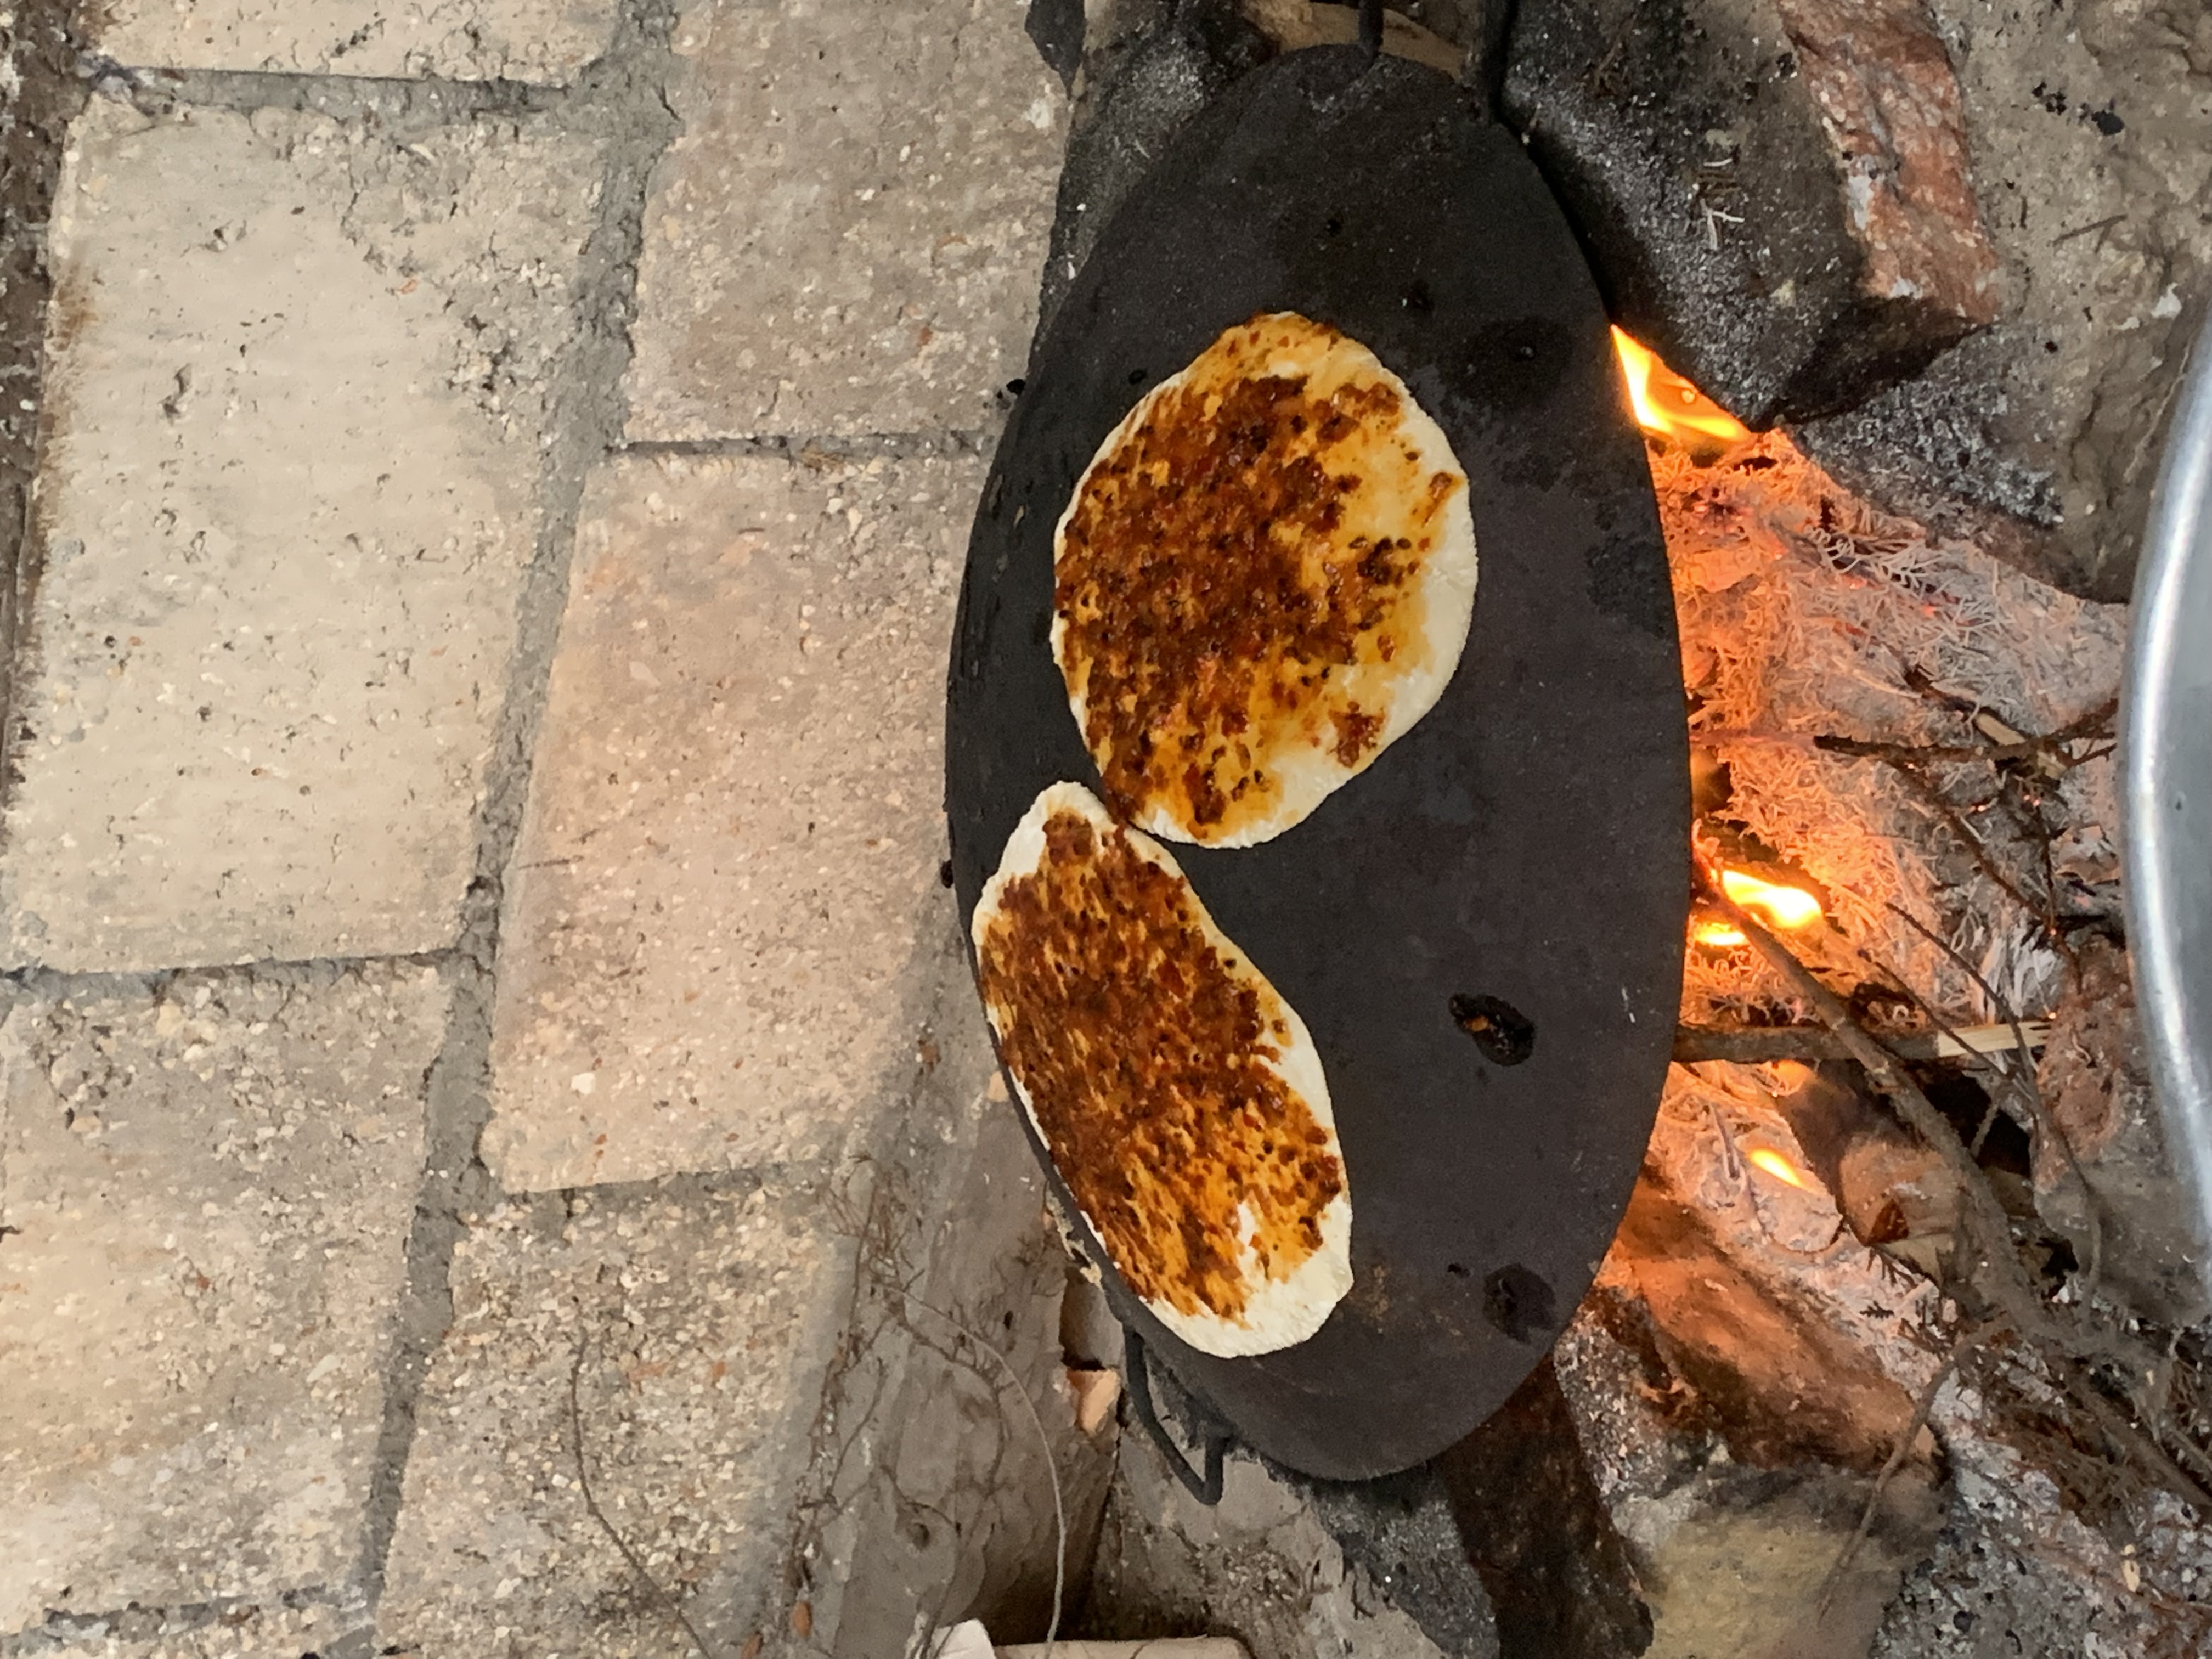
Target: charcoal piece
[1400, 1532]
[1055, 28]
[1774, 193]
[1531, 1519]
[1148, 66]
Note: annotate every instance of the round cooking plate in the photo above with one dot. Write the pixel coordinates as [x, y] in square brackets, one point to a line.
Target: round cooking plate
[1528, 840]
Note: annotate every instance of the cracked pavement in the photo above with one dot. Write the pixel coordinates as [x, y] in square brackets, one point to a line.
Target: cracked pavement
[467, 865]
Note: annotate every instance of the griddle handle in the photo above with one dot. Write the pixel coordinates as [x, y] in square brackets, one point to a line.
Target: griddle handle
[1370, 28]
[1213, 1439]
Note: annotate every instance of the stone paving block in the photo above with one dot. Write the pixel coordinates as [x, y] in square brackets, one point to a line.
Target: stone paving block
[297, 378]
[846, 237]
[705, 1320]
[207, 1191]
[731, 849]
[286, 1628]
[546, 41]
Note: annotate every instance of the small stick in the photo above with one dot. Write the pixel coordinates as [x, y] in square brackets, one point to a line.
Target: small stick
[2094, 225]
[1951, 754]
[1898, 1455]
[1756, 1045]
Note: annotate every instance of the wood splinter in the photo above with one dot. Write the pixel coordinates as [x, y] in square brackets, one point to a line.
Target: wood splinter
[1757, 1045]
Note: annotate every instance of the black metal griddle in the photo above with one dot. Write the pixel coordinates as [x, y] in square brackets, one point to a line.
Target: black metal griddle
[1526, 842]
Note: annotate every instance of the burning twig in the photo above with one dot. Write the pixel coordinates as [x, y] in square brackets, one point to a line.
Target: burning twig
[2001, 1276]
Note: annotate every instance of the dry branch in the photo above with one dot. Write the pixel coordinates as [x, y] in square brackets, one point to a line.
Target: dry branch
[1757, 1045]
[2095, 726]
[1994, 1270]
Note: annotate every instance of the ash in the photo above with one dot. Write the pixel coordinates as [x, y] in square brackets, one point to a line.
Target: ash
[1752, 1366]
[1806, 614]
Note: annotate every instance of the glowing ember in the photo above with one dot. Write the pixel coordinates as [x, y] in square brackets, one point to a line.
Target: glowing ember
[1669, 406]
[1779, 1167]
[1787, 908]
[1721, 935]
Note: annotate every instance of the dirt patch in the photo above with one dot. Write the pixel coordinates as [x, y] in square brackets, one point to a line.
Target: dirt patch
[40, 94]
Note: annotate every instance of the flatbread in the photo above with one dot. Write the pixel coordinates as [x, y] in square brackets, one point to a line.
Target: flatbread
[1180, 1097]
[1264, 578]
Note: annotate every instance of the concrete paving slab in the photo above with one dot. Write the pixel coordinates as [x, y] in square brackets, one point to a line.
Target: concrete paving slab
[207, 1190]
[847, 235]
[297, 379]
[731, 849]
[289, 1627]
[706, 1319]
[543, 41]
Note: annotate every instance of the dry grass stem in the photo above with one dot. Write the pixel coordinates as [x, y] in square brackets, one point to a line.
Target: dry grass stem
[1051, 1463]
[668, 1603]
[1898, 1455]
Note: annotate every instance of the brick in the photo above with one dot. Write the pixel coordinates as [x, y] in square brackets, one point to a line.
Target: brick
[546, 41]
[1890, 105]
[705, 1320]
[1774, 194]
[208, 1189]
[847, 235]
[730, 852]
[296, 384]
[2039, 438]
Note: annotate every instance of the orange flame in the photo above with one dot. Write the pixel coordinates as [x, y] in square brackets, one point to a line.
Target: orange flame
[1778, 906]
[1780, 1168]
[1669, 406]
[1787, 908]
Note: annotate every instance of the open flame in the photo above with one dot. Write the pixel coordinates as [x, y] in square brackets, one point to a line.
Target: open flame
[1669, 406]
[1779, 1167]
[1786, 908]
[1778, 906]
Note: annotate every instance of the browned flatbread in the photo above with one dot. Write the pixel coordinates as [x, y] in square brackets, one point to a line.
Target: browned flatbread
[1265, 577]
[1180, 1096]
